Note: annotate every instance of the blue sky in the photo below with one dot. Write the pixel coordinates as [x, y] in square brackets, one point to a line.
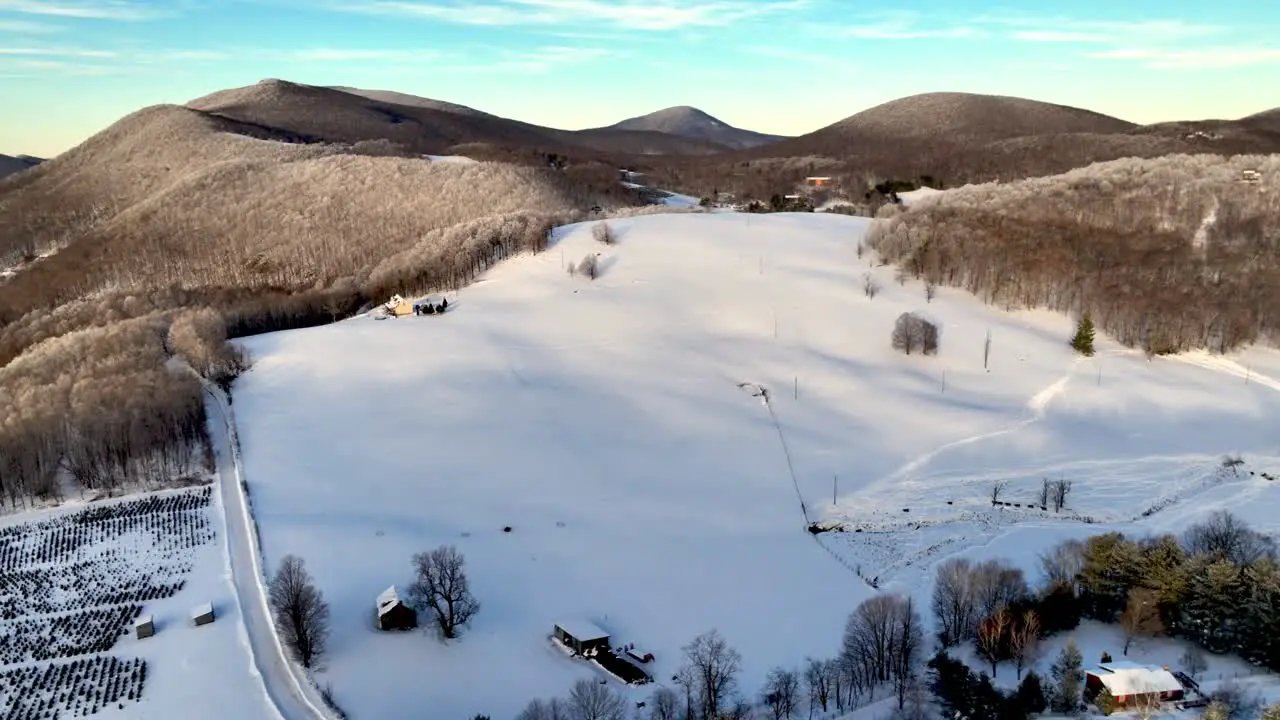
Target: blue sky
[69, 68]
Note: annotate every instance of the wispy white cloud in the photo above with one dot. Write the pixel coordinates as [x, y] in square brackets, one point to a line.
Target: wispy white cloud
[26, 27]
[1060, 29]
[538, 60]
[651, 15]
[1209, 57]
[94, 10]
[898, 25]
[60, 67]
[55, 52]
[793, 56]
[354, 55]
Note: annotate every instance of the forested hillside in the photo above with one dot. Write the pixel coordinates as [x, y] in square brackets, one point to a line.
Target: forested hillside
[1166, 254]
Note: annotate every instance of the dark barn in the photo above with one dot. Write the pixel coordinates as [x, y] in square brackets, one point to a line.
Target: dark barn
[393, 614]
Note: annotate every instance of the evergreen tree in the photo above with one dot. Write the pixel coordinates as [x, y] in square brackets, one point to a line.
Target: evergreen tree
[1083, 339]
[1106, 702]
[1214, 605]
[1112, 565]
[1059, 609]
[1030, 694]
[1068, 677]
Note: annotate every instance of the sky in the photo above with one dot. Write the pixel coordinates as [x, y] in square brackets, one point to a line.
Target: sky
[70, 68]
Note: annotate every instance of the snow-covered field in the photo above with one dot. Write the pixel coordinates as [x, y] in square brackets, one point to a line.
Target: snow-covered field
[72, 582]
[616, 427]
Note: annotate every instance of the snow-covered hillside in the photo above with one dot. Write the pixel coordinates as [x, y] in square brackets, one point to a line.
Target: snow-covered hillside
[617, 427]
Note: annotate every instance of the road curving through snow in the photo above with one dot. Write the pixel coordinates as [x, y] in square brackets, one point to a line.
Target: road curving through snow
[293, 698]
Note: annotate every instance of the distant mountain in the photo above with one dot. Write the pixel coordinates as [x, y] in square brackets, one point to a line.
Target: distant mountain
[694, 124]
[1267, 120]
[12, 164]
[947, 118]
[958, 138]
[418, 124]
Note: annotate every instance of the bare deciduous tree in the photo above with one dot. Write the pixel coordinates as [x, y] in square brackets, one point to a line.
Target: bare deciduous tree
[595, 700]
[1063, 563]
[1225, 536]
[441, 586]
[907, 644]
[300, 612]
[713, 668]
[1024, 641]
[819, 677]
[953, 601]
[589, 267]
[870, 287]
[1061, 489]
[911, 332]
[992, 636]
[664, 704]
[781, 692]
[930, 291]
[996, 584]
[1141, 616]
[997, 489]
[603, 232]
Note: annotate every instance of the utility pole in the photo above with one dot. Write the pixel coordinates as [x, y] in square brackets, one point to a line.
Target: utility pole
[944, 380]
[775, 323]
[797, 381]
[986, 350]
[835, 484]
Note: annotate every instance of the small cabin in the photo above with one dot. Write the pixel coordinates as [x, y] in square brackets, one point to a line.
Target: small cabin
[393, 613]
[1251, 177]
[144, 627]
[398, 306]
[202, 614]
[1130, 683]
[817, 181]
[581, 636]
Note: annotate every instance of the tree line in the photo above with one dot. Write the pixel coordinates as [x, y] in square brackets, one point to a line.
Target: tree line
[1217, 586]
[1167, 254]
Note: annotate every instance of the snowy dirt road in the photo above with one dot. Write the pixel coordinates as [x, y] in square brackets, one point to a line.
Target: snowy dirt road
[292, 698]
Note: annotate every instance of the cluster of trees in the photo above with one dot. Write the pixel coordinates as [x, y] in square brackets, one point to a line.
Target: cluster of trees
[1166, 254]
[1218, 586]
[100, 409]
[963, 693]
[912, 332]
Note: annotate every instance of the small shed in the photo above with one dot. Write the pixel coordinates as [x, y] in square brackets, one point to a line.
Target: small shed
[393, 614]
[144, 627]
[202, 614]
[581, 636]
[817, 181]
[1251, 176]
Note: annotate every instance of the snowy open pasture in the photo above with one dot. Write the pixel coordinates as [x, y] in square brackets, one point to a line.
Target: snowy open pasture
[72, 583]
[619, 427]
